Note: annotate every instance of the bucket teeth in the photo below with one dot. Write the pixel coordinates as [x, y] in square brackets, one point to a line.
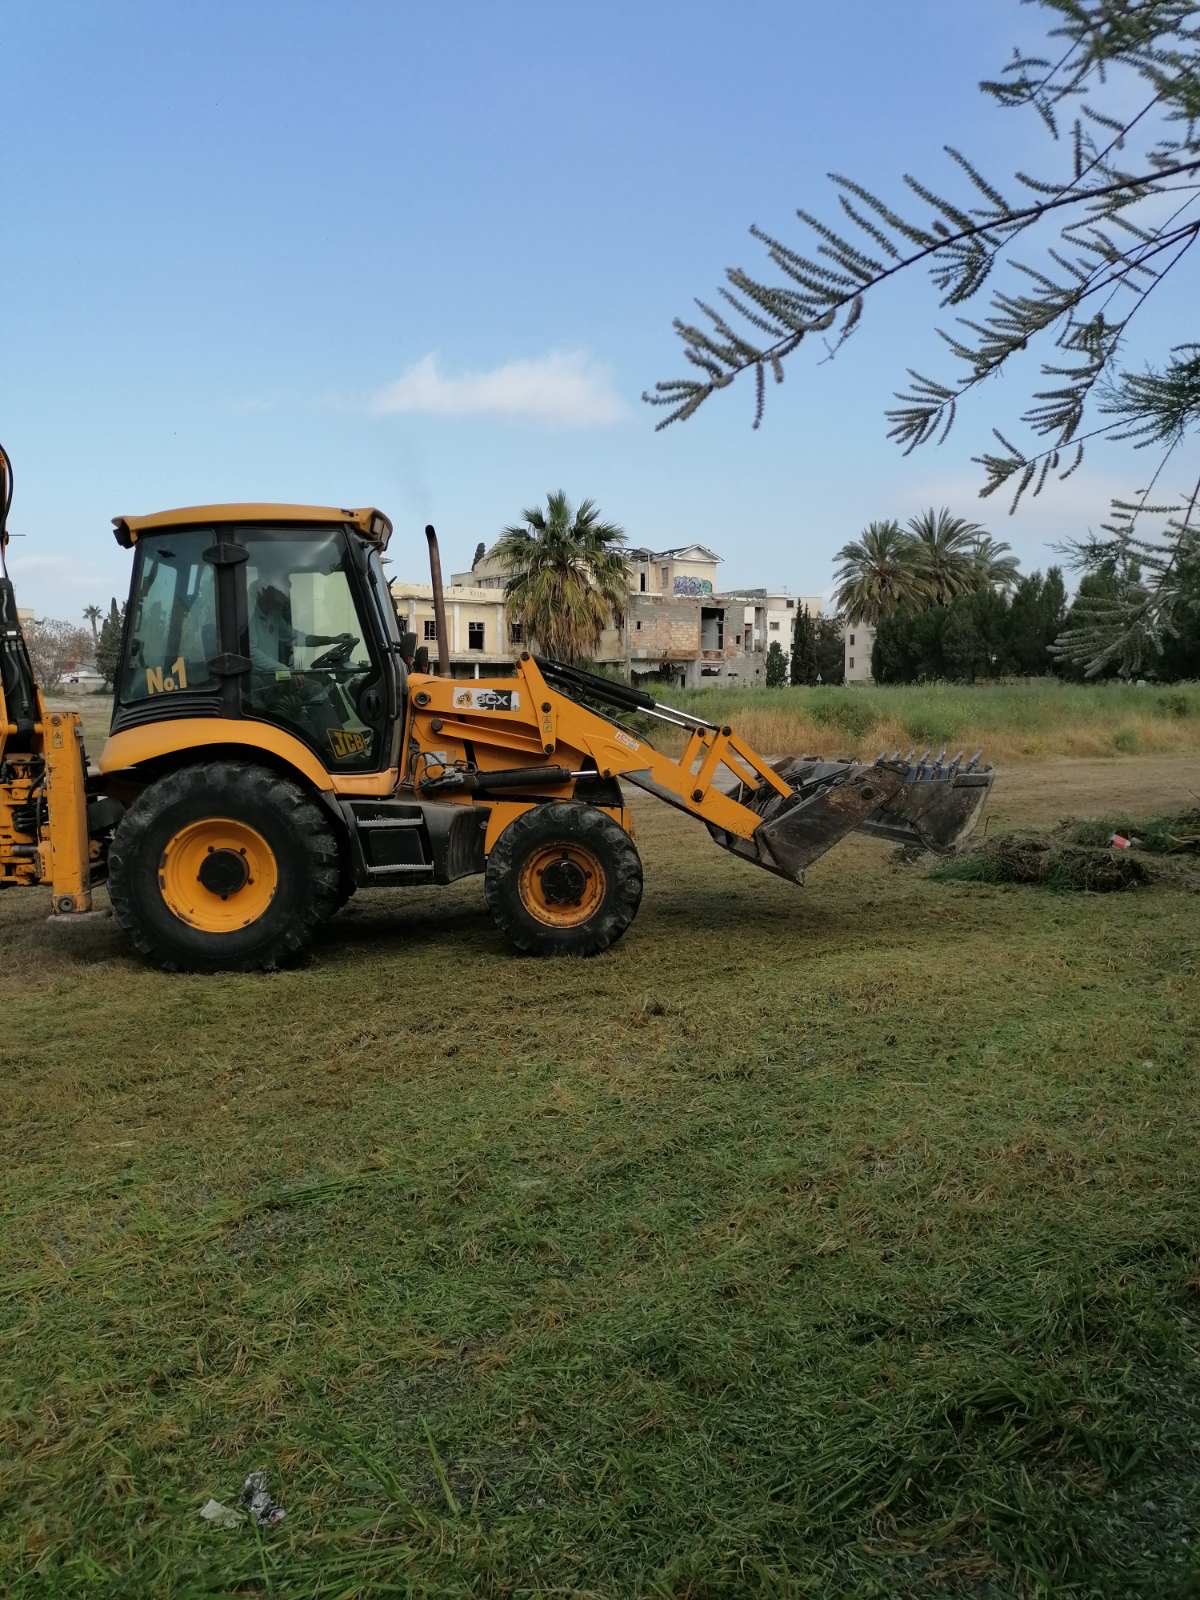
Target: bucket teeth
[930, 803]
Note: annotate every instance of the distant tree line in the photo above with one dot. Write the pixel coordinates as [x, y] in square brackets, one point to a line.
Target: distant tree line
[982, 633]
[988, 633]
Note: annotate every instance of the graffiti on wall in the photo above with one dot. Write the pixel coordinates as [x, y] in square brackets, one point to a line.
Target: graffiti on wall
[693, 586]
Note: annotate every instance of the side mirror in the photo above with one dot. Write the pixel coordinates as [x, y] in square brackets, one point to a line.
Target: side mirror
[408, 646]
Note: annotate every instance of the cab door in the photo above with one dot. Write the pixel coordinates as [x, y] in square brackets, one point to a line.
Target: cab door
[315, 660]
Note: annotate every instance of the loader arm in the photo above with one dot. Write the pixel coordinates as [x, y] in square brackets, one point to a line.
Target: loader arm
[541, 735]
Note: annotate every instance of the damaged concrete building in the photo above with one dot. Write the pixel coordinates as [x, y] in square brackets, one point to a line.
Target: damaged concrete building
[675, 627]
[689, 641]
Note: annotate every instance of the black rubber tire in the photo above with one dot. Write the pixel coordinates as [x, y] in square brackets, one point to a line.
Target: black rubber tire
[346, 886]
[565, 822]
[293, 825]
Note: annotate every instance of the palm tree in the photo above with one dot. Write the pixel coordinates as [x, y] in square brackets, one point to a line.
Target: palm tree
[995, 566]
[876, 577]
[93, 614]
[941, 548]
[566, 576]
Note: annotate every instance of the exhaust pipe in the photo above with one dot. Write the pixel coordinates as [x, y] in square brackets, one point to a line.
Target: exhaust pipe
[439, 601]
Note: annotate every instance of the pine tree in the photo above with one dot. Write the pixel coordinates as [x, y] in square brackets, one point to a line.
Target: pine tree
[108, 650]
[908, 646]
[1035, 620]
[1065, 260]
[831, 651]
[776, 666]
[804, 666]
[964, 657]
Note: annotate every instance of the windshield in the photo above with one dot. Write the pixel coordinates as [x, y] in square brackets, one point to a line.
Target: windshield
[171, 634]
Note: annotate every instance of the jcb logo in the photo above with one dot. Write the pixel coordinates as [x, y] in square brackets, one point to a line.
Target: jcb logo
[345, 742]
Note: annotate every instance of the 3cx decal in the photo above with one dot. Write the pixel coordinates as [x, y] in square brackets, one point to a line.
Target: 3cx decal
[487, 700]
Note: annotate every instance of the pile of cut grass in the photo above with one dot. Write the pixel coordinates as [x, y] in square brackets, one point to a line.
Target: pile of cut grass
[1078, 854]
[1032, 859]
[1175, 834]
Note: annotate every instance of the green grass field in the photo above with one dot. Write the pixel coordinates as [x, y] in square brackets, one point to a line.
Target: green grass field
[1031, 719]
[837, 1242]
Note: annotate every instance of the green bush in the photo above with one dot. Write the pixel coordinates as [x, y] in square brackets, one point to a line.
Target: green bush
[1175, 704]
[934, 727]
[851, 713]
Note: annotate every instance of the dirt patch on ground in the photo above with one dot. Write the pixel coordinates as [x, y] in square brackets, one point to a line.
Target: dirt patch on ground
[1045, 791]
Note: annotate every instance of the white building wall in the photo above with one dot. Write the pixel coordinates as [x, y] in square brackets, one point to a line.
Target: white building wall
[859, 641]
[775, 611]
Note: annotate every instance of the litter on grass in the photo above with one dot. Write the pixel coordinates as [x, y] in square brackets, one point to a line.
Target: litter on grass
[256, 1497]
[221, 1515]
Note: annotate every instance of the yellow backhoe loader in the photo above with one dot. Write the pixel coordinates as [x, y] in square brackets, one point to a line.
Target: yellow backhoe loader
[275, 747]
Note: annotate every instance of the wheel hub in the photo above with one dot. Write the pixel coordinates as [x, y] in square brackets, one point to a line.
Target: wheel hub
[218, 874]
[564, 882]
[223, 872]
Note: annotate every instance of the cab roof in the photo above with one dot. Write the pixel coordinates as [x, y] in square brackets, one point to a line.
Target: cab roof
[365, 520]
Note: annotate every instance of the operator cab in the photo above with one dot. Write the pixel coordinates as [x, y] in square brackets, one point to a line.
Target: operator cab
[281, 614]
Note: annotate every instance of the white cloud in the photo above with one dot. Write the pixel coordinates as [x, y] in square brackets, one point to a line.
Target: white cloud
[566, 388]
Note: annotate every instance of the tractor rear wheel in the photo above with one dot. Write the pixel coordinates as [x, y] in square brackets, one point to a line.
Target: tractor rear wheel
[223, 867]
[564, 879]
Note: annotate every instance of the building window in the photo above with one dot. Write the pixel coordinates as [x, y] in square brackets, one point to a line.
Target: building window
[851, 663]
[474, 635]
[851, 638]
[642, 582]
[774, 627]
[516, 633]
[791, 605]
[665, 578]
[639, 627]
[431, 632]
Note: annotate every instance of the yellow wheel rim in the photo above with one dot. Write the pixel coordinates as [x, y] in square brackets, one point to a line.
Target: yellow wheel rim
[562, 885]
[218, 875]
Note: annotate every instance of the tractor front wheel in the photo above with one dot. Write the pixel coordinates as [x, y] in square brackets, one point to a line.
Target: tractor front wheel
[223, 867]
[563, 879]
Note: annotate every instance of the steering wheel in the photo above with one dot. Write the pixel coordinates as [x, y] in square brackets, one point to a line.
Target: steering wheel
[337, 658]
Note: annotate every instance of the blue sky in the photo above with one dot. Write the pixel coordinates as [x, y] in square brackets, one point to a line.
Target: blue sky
[426, 257]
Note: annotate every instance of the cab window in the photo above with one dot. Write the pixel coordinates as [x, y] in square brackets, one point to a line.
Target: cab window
[171, 632]
[310, 662]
